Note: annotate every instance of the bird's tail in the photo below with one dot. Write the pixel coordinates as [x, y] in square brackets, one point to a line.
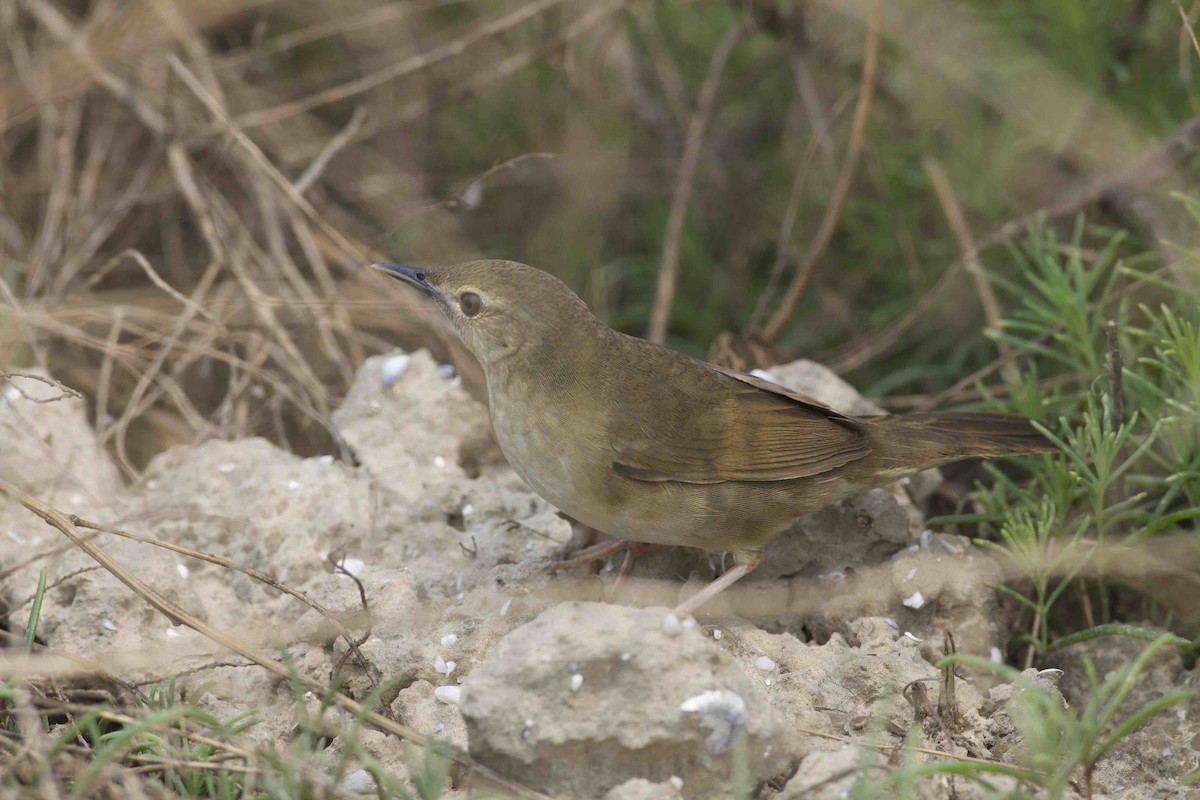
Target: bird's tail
[920, 441]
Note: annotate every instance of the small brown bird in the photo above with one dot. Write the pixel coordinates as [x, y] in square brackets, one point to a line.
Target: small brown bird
[653, 446]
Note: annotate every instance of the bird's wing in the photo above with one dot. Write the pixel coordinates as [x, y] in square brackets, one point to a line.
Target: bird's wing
[754, 431]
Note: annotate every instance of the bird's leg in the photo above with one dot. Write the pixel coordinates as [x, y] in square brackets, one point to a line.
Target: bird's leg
[598, 552]
[746, 564]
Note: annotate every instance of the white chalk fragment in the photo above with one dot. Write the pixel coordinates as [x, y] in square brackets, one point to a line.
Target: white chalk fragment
[173, 634]
[450, 695]
[996, 656]
[227, 467]
[77, 499]
[677, 782]
[576, 682]
[723, 711]
[443, 666]
[151, 485]
[1182, 714]
[926, 536]
[908, 635]
[504, 608]
[765, 663]
[472, 196]
[449, 640]
[717, 634]
[325, 459]
[689, 624]
[914, 600]
[16, 537]
[468, 510]
[441, 726]
[353, 566]
[294, 485]
[766, 376]
[446, 371]
[671, 625]
[12, 394]
[392, 367]
[182, 570]
[439, 462]
[626, 656]
[891, 623]
[358, 781]
[108, 624]
[767, 681]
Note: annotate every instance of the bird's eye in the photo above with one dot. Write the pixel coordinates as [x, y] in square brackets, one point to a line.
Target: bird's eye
[470, 303]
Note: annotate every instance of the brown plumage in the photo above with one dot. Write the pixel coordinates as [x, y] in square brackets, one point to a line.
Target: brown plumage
[647, 444]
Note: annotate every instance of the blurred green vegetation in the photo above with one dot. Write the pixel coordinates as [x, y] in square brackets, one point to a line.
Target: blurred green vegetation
[618, 158]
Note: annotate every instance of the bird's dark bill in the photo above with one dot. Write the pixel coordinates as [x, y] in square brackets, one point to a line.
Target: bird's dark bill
[415, 276]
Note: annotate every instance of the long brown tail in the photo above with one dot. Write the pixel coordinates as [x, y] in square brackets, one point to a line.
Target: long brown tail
[918, 441]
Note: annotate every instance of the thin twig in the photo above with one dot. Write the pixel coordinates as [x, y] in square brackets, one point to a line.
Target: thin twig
[668, 270]
[335, 145]
[67, 391]
[833, 213]
[970, 256]
[401, 68]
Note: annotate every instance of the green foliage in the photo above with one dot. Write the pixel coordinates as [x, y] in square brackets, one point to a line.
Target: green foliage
[1128, 460]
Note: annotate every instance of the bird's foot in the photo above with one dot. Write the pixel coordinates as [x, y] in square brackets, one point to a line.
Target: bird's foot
[599, 552]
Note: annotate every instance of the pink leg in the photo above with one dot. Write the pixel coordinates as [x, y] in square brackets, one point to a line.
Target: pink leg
[731, 576]
[599, 552]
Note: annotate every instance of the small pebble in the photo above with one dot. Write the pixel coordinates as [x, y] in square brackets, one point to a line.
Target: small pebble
[576, 682]
[293, 485]
[173, 634]
[717, 634]
[468, 510]
[996, 656]
[626, 656]
[446, 371]
[152, 485]
[450, 695]
[439, 462]
[443, 666]
[926, 535]
[764, 663]
[449, 640]
[392, 368]
[472, 196]
[182, 569]
[768, 681]
[357, 781]
[1182, 714]
[677, 782]
[671, 625]
[227, 467]
[908, 635]
[325, 459]
[354, 566]
[441, 726]
[762, 373]
[914, 600]
[469, 624]
[504, 608]
[689, 624]
[891, 623]
[108, 624]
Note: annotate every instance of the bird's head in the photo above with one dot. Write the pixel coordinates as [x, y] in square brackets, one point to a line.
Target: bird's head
[499, 308]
